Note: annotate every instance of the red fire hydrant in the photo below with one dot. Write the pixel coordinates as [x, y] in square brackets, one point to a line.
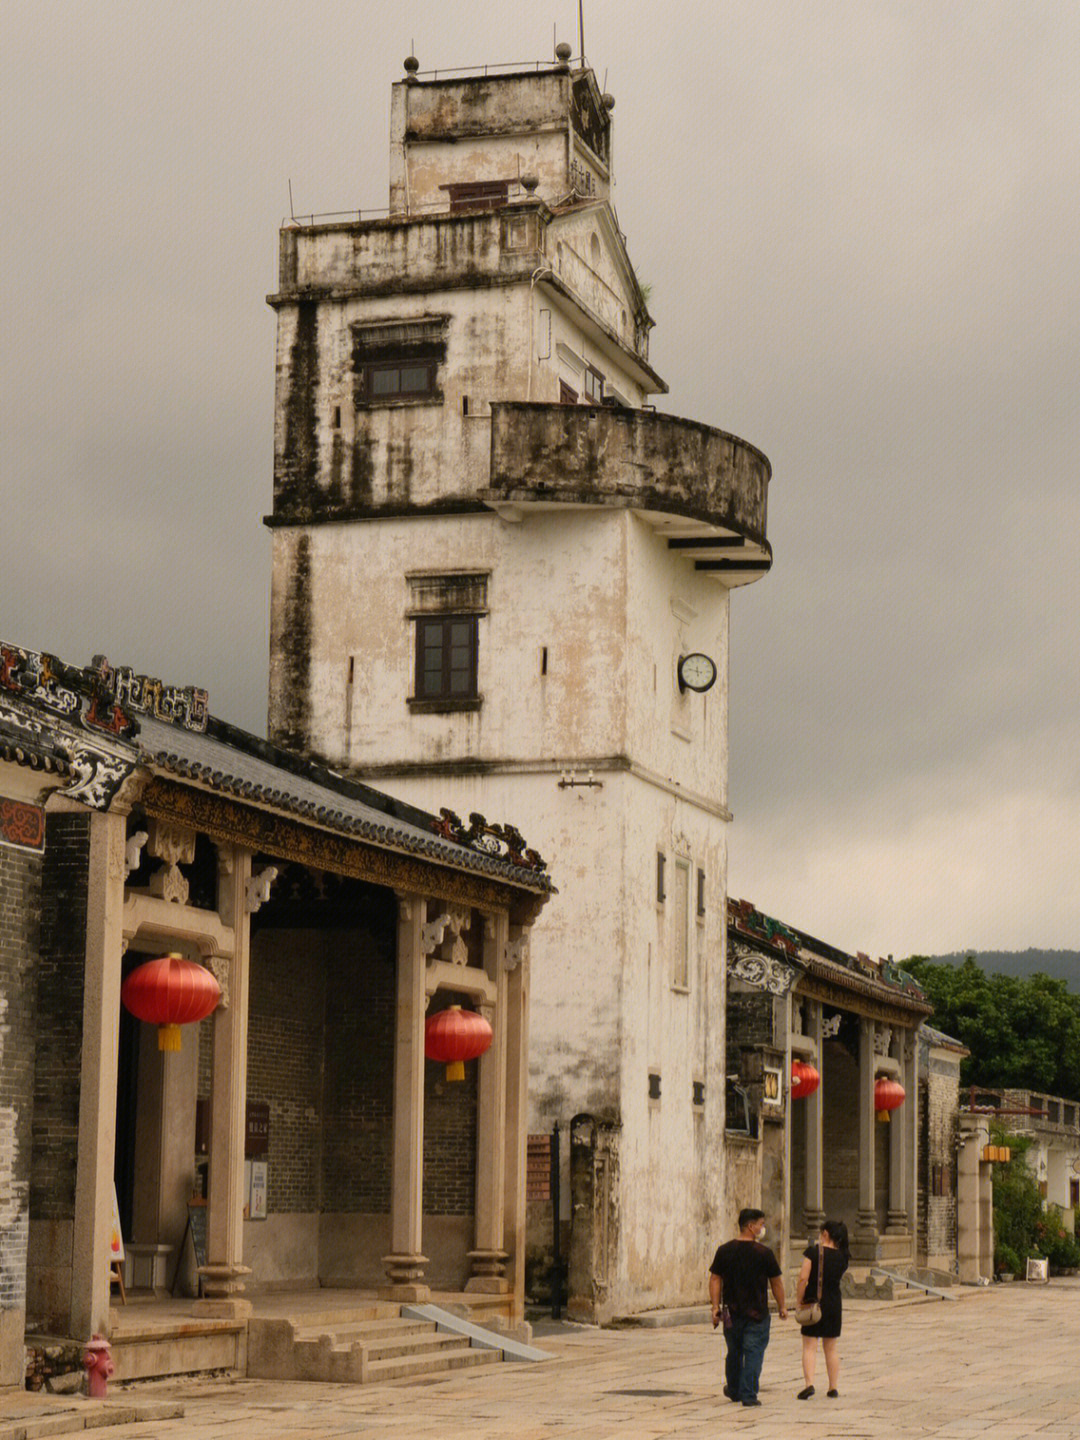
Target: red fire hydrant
[98, 1365]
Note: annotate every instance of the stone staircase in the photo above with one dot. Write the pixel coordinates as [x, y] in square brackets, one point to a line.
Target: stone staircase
[899, 1287]
[367, 1346]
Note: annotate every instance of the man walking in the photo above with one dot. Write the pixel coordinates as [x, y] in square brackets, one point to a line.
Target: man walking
[738, 1277]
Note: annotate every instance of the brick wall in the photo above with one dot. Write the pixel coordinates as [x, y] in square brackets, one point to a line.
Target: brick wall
[20, 917]
[360, 1011]
[321, 1055]
[449, 1132]
[287, 1001]
[61, 969]
[840, 1132]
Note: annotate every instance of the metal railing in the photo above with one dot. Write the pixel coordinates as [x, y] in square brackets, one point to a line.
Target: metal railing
[456, 72]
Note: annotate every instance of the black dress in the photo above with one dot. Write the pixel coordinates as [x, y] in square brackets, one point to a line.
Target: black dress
[828, 1327]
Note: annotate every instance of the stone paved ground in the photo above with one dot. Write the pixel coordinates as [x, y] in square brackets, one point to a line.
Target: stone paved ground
[1004, 1362]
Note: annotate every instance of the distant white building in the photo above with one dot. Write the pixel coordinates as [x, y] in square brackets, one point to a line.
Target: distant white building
[501, 584]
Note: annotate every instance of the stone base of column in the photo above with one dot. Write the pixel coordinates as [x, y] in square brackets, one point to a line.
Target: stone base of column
[222, 1291]
[405, 1274]
[488, 1273]
[813, 1220]
[897, 1223]
[865, 1242]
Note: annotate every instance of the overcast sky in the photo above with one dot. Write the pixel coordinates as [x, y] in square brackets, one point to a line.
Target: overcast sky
[861, 226]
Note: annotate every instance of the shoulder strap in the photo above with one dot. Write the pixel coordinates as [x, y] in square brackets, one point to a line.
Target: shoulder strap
[820, 1269]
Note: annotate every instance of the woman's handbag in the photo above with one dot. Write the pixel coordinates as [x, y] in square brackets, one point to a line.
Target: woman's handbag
[811, 1314]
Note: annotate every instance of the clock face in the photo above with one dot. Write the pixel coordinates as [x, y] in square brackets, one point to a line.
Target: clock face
[696, 672]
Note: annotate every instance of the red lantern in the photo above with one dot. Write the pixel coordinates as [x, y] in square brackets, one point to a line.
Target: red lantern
[888, 1095]
[454, 1036]
[170, 992]
[805, 1079]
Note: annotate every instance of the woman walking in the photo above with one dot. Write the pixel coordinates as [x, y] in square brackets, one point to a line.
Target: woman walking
[832, 1254]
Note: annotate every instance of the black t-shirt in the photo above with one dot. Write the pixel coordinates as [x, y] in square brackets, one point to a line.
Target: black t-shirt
[745, 1268]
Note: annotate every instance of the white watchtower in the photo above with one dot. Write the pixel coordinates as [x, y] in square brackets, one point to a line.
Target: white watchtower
[500, 585]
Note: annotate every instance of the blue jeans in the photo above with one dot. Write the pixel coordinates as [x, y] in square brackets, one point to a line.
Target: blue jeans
[746, 1342]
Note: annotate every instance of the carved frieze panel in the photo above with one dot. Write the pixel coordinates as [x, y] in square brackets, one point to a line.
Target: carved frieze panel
[763, 972]
[95, 776]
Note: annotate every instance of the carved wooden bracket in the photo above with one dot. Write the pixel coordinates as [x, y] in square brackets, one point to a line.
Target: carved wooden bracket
[257, 890]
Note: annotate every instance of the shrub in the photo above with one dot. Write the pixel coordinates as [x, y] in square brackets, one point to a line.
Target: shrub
[1006, 1258]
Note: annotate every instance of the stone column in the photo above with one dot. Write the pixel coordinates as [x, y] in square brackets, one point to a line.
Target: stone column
[223, 1274]
[865, 1247]
[911, 1123]
[814, 1206]
[900, 1140]
[974, 1222]
[405, 1264]
[516, 1022]
[97, 1081]
[488, 1258]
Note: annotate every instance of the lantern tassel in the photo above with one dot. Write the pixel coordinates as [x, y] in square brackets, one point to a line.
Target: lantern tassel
[455, 1070]
[169, 1038]
[884, 1117]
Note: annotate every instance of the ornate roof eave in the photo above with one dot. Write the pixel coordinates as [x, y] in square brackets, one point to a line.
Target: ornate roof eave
[829, 981]
[272, 829]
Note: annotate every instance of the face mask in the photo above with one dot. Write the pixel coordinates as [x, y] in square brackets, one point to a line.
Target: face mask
[761, 1233]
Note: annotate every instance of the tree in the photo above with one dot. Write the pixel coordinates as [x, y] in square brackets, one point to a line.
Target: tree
[1023, 1034]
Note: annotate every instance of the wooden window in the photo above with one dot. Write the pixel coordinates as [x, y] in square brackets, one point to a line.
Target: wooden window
[446, 657]
[594, 386]
[398, 363]
[403, 379]
[567, 396]
[477, 195]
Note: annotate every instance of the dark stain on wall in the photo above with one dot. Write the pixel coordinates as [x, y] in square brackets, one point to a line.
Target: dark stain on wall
[296, 480]
[293, 729]
[363, 472]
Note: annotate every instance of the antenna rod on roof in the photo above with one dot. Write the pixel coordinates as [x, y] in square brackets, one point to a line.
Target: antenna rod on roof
[581, 29]
[292, 215]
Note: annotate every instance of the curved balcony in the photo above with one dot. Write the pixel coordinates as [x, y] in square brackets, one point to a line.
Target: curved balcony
[705, 490]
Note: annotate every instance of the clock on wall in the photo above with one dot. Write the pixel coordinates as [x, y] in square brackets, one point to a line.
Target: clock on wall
[696, 672]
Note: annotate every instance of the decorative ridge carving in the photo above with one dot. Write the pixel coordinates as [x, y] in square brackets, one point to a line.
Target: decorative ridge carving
[504, 842]
[99, 696]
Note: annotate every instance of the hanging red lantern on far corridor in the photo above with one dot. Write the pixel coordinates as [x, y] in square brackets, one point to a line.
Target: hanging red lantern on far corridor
[805, 1079]
[170, 992]
[454, 1036]
[888, 1095]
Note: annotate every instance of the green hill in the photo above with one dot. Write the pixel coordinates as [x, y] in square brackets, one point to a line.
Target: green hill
[1058, 964]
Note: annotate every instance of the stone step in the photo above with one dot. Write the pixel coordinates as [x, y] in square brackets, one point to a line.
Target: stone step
[457, 1357]
[365, 1330]
[182, 1351]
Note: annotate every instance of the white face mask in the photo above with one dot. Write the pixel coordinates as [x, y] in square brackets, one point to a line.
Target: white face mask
[761, 1233]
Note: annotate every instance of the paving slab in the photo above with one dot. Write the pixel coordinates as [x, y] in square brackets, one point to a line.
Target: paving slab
[1001, 1363]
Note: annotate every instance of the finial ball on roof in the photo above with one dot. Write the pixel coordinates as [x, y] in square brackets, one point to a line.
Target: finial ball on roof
[412, 64]
[609, 100]
[529, 183]
[563, 52]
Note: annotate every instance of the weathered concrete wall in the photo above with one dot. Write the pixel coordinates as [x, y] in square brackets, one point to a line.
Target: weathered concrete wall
[336, 455]
[939, 1083]
[476, 128]
[628, 457]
